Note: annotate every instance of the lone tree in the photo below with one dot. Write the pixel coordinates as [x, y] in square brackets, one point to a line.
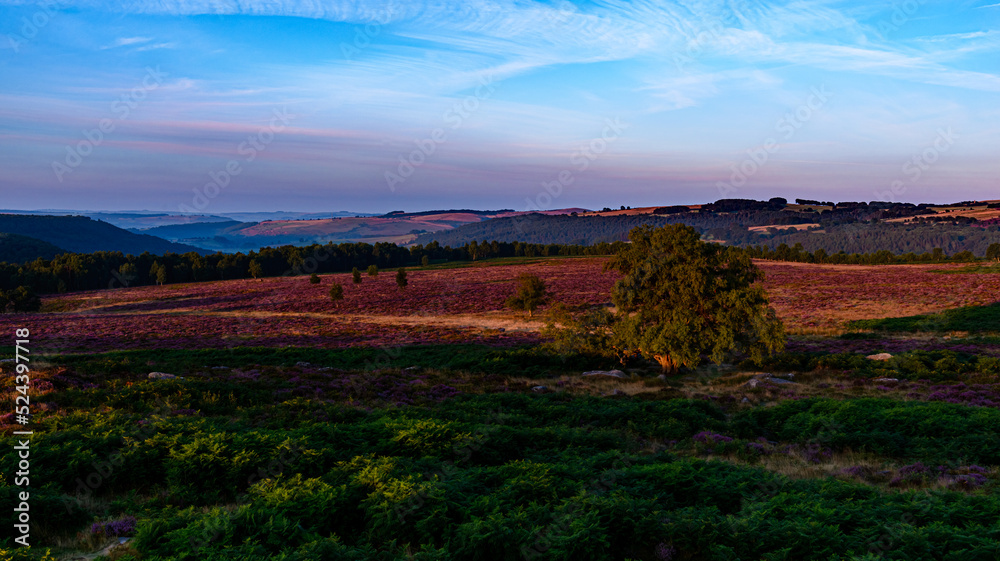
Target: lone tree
[356, 276]
[680, 298]
[256, 271]
[314, 279]
[336, 292]
[372, 270]
[401, 277]
[530, 294]
[993, 252]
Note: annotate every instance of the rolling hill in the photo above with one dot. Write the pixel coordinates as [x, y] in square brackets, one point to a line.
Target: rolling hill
[15, 248]
[80, 234]
[395, 227]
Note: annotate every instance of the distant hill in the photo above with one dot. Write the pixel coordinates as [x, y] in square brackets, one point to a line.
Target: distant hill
[394, 227]
[544, 229]
[80, 234]
[178, 232]
[132, 221]
[15, 248]
[847, 227]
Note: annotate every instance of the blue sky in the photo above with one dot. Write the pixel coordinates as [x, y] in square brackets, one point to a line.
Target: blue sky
[378, 106]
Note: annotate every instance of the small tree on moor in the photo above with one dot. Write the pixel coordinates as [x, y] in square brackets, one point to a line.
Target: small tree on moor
[372, 270]
[336, 292]
[530, 294]
[680, 298]
[356, 276]
[993, 251]
[401, 280]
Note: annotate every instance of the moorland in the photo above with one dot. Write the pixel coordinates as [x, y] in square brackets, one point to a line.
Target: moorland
[260, 418]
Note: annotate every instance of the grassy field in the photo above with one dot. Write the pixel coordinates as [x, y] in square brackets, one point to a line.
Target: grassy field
[335, 433]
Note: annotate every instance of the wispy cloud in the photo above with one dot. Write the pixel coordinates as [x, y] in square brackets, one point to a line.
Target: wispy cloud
[125, 41]
[156, 46]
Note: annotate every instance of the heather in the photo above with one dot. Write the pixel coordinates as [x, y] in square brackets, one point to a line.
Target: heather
[429, 422]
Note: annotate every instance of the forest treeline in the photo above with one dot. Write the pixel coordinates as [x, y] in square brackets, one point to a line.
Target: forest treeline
[101, 270]
[92, 271]
[848, 228]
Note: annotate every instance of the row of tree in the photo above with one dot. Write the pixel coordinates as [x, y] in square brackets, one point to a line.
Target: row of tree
[20, 284]
[101, 270]
[883, 257]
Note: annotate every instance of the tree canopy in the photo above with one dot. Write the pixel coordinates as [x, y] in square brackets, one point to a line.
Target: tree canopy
[680, 298]
[529, 295]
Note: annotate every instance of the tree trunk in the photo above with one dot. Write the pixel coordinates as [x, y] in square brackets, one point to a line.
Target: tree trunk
[667, 363]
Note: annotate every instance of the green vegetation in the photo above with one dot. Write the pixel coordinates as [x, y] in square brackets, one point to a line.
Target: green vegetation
[15, 248]
[83, 235]
[336, 292]
[529, 294]
[531, 361]
[20, 300]
[101, 270]
[993, 252]
[973, 319]
[255, 270]
[372, 271]
[314, 279]
[267, 468]
[937, 366]
[401, 280]
[356, 276]
[680, 298]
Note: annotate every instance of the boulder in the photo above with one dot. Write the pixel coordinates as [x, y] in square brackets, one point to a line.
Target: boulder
[160, 376]
[879, 356]
[539, 389]
[767, 379]
[612, 373]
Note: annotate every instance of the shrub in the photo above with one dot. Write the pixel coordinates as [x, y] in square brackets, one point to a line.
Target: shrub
[529, 294]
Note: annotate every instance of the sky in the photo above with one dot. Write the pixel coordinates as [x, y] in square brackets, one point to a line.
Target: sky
[202, 106]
